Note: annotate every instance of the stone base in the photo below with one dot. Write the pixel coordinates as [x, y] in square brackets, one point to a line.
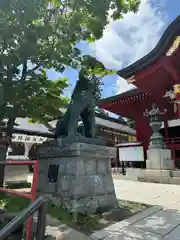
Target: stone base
[78, 175]
[160, 176]
[159, 159]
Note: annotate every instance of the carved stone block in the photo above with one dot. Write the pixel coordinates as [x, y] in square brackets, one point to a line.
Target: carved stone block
[84, 182]
[159, 159]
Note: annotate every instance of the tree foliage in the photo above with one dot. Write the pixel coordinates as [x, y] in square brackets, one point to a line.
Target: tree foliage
[42, 34]
[44, 99]
[45, 31]
[131, 123]
[95, 71]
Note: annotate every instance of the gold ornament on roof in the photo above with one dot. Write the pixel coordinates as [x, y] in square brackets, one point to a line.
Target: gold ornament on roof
[177, 89]
[173, 47]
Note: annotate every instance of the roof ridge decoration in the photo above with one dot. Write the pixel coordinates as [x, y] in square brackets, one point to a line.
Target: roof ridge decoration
[167, 44]
[174, 46]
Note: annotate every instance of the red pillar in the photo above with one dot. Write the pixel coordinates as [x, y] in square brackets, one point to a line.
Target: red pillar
[143, 131]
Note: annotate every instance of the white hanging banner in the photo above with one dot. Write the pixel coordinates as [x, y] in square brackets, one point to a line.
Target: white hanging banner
[28, 139]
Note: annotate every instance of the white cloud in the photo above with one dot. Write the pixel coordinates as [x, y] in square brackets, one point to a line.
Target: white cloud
[125, 41]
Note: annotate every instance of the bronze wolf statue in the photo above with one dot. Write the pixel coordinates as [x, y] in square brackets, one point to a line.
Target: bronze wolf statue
[82, 105]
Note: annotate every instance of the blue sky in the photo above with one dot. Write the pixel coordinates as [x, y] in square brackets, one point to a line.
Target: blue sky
[125, 41]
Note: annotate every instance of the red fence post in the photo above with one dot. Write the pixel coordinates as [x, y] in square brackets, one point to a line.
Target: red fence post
[29, 233]
[31, 196]
[35, 180]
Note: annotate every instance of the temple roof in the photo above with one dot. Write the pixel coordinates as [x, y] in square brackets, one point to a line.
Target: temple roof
[22, 125]
[128, 104]
[161, 48]
[153, 76]
[130, 93]
[109, 122]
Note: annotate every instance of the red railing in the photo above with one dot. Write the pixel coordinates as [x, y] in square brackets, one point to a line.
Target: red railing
[32, 195]
[173, 144]
[175, 140]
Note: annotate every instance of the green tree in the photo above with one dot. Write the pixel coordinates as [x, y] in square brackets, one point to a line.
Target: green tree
[40, 100]
[95, 71]
[131, 123]
[42, 34]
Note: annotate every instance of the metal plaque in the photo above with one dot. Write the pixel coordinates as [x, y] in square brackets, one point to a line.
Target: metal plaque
[53, 173]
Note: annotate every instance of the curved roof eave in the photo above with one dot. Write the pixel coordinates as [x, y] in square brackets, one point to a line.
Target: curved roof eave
[160, 49]
[131, 92]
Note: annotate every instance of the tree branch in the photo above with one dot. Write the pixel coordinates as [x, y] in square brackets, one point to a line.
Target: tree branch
[24, 71]
[34, 69]
[10, 124]
[4, 47]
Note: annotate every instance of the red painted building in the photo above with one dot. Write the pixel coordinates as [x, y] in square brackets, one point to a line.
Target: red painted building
[156, 77]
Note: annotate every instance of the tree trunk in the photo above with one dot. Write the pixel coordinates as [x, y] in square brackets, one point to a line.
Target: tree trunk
[3, 150]
[10, 125]
[5, 140]
[4, 143]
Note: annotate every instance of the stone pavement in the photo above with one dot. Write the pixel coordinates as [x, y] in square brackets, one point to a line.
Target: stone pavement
[56, 230]
[154, 223]
[166, 195]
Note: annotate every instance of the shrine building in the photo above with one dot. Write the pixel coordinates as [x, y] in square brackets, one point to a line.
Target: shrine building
[156, 78]
[27, 137]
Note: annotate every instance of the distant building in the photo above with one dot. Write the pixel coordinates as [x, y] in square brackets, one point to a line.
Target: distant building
[27, 136]
[109, 128]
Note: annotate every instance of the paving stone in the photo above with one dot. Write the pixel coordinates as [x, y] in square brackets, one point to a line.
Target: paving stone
[160, 223]
[172, 210]
[137, 217]
[100, 235]
[132, 233]
[118, 227]
[173, 235]
[57, 233]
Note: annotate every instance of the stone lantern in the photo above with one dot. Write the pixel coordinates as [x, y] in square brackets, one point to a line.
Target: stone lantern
[155, 122]
[158, 156]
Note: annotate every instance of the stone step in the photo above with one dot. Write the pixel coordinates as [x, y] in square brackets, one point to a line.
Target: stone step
[159, 179]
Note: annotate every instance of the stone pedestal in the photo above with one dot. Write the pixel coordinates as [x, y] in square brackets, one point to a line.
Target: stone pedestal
[160, 176]
[78, 175]
[159, 159]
